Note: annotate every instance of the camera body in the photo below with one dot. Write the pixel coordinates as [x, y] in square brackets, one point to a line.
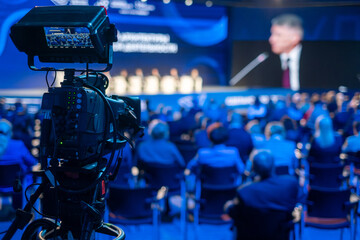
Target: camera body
[80, 125]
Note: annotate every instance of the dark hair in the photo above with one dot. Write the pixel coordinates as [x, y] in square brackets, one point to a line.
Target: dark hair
[263, 163]
[219, 135]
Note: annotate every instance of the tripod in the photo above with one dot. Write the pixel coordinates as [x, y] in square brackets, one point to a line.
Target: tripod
[91, 222]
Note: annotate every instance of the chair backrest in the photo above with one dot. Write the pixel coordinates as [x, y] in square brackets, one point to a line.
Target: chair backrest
[158, 175]
[328, 203]
[212, 201]
[214, 187]
[9, 171]
[266, 224]
[282, 170]
[219, 176]
[326, 175]
[130, 203]
[354, 157]
[187, 150]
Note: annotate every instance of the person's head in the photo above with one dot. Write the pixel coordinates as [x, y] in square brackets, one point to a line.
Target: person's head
[286, 33]
[174, 72]
[124, 73]
[324, 133]
[158, 129]
[5, 128]
[236, 120]
[217, 133]
[5, 134]
[155, 72]
[194, 73]
[263, 163]
[289, 124]
[274, 128]
[253, 127]
[138, 72]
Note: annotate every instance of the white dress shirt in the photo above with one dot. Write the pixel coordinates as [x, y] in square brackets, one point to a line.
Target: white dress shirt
[293, 59]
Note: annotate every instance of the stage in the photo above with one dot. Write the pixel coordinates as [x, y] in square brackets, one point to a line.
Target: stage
[232, 97]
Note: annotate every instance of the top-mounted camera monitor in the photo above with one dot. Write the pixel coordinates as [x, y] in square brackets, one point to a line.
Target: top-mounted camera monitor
[65, 34]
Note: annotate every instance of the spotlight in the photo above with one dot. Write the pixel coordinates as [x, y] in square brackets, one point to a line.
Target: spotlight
[166, 1]
[209, 3]
[143, 0]
[188, 2]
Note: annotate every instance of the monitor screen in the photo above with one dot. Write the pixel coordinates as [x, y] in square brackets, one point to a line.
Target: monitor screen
[68, 37]
[321, 53]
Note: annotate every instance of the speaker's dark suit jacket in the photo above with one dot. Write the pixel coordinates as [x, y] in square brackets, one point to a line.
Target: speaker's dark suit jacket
[325, 65]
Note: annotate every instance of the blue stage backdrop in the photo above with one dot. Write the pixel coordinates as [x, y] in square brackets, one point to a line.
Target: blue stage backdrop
[151, 35]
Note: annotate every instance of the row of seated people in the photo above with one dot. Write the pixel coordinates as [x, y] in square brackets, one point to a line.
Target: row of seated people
[257, 139]
[154, 83]
[23, 123]
[277, 192]
[16, 164]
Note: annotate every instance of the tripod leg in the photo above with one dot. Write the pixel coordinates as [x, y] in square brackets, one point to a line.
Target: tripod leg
[31, 231]
[111, 230]
[23, 217]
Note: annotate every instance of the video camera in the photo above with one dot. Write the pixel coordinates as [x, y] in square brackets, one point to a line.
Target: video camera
[80, 123]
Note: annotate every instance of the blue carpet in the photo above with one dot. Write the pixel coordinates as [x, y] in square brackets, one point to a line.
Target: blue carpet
[171, 231]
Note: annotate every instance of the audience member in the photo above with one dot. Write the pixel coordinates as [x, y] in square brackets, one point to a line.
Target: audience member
[281, 149]
[213, 110]
[218, 155]
[239, 137]
[22, 124]
[326, 144]
[279, 111]
[201, 137]
[292, 131]
[257, 136]
[14, 150]
[267, 192]
[257, 111]
[157, 149]
[352, 143]
[294, 110]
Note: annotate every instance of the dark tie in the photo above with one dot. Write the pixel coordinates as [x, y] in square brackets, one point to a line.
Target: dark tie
[286, 76]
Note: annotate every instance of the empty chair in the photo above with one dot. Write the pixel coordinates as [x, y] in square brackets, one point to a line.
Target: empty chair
[135, 206]
[327, 175]
[329, 209]
[214, 187]
[209, 203]
[9, 172]
[10, 177]
[169, 176]
[158, 175]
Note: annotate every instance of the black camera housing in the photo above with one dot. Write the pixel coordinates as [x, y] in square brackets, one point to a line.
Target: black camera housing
[68, 23]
